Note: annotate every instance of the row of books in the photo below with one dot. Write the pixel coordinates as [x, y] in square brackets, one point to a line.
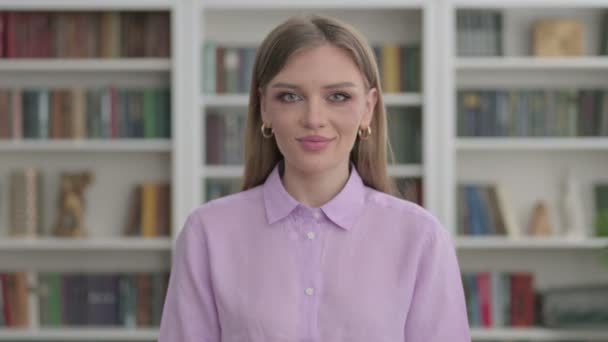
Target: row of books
[576, 307]
[601, 209]
[527, 113]
[220, 187]
[72, 34]
[102, 299]
[479, 32]
[225, 137]
[400, 67]
[405, 134]
[483, 210]
[497, 299]
[85, 113]
[14, 300]
[228, 69]
[149, 210]
[225, 131]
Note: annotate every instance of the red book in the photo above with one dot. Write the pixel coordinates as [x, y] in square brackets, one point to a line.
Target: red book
[220, 73]
[485, 298]
[11, 35]
[2, 34]
[40, 28]
[6, 294]
[114, 117]
[522, 300]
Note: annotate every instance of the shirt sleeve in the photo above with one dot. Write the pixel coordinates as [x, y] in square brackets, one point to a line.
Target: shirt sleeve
[189, 312]
[438, 311]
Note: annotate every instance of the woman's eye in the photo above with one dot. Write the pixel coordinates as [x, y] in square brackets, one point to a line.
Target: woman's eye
[288, 97]
[339, 97]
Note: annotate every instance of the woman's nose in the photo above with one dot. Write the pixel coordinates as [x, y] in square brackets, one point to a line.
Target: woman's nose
[314, 115]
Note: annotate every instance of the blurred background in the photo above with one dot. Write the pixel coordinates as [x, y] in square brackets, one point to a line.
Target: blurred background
[118, 118]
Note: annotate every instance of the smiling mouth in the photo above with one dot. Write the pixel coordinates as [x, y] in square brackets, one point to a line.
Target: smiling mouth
[314, 144]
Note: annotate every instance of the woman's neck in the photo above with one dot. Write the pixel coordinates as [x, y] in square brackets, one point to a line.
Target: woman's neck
[314, 190]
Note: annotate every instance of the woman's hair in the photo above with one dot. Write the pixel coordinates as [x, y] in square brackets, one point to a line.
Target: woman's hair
[370, 157]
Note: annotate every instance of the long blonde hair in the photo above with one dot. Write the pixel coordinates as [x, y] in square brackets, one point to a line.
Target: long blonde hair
[370, 157]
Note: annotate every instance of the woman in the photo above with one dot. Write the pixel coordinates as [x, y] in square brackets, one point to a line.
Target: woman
[315, 248]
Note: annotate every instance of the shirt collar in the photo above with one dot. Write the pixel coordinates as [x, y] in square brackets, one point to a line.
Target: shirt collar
[343, 209]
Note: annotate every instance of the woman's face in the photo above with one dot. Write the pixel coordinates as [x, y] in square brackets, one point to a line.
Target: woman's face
[315, 106]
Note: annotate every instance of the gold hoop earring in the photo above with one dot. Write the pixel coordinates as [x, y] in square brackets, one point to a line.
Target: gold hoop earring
[365, 133]
[265, 131]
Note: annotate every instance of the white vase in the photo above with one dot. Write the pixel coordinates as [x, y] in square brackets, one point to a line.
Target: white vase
[573, 225]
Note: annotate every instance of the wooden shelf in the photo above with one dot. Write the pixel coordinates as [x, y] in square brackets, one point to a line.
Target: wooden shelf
[242, 100]
[87, 64]
[505, 243]
[539, 334]
[532, 63]
[533, 144]
[79, 334]
[124, 244]
[86, 145]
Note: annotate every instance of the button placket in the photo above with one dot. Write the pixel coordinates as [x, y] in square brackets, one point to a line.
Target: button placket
[310, 246]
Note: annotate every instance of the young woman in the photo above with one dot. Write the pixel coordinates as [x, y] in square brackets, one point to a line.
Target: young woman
[315, 248]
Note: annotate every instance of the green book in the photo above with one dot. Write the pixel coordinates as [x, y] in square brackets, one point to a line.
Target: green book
[601, 209]
[163, 113]
[150, 117]
[54, 300]
[209, 67]
[157, 298]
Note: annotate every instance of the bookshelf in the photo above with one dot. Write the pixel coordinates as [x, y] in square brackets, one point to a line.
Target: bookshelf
[530, 168]
[403, 22]
[118, 162]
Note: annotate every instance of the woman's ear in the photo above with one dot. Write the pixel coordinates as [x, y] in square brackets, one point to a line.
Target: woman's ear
[370, 104]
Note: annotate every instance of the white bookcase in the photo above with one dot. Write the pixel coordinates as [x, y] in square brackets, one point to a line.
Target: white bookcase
[118, 164]
[530, 169]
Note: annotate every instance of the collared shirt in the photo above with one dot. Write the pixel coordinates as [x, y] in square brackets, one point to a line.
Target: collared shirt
[258, 266]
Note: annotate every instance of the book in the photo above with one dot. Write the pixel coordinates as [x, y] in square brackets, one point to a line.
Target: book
[26, 196]
[601, 209]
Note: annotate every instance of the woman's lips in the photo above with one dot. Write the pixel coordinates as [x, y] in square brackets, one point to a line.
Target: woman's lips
[314, 143]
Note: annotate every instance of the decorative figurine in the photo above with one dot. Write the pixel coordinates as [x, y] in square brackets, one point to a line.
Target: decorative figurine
[539, 224]
[71, 204]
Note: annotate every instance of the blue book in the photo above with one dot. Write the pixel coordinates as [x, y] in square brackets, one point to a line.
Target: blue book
[475, 319]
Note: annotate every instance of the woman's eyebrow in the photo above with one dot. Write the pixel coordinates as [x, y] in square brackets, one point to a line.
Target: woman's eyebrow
[334, 85]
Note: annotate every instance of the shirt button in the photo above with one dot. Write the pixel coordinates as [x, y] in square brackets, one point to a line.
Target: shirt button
[311, 235]
[317, 215]
[310, 291]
